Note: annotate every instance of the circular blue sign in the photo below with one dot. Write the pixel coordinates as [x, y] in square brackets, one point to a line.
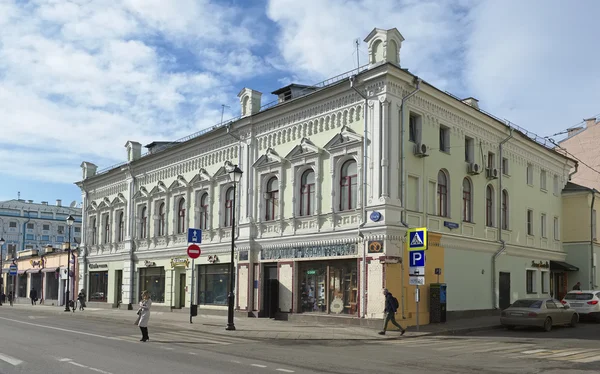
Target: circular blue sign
[375, 216]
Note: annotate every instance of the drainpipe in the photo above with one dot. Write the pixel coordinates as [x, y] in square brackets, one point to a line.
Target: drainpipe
[131, 228]
[364, 202]
[500, 223]
[84, 225]
[594, 191]
[573, 173]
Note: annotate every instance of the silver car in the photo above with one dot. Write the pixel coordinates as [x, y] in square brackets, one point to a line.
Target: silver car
[538, 312]
[585, 303]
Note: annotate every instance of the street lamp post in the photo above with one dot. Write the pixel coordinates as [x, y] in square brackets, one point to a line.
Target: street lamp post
[70, 221]
[1, 269]
[236, 175]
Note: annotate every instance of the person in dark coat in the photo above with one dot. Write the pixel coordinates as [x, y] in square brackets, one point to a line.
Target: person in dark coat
[81, 298]
[577, 287]
[10, 298]
[33, 296]
[390, 313]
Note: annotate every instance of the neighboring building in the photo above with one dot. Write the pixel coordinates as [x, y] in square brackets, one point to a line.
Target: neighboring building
[320, 207]
[581, 206]
[582, 144]
[26, 225]
[46, 272]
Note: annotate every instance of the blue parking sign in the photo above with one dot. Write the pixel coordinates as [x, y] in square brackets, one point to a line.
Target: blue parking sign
[194, 235]
[417, 259]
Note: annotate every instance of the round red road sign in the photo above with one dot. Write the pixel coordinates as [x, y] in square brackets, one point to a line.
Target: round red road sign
[194, 251]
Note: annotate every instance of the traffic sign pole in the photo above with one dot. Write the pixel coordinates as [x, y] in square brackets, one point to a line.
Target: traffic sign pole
[192, 292]
[193, 251]
[417, 299]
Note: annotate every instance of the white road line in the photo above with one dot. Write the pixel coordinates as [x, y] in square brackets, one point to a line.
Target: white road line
[236, 362]
[192, 353]
[285, 370]
[100, 371]
[563, 354]
[11, 360]
[534, 351]
[258, 366]
[589, 359]
[77, 364]
[64, 359]
[59, 329]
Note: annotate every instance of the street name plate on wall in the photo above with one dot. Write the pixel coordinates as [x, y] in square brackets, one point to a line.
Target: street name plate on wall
[309, 252]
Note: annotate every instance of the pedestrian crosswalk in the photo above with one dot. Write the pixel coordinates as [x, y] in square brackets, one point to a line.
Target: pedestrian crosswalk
[187, 338]
[508, 349]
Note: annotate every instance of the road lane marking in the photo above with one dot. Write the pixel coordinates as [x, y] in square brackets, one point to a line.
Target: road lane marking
[533, 351]
[100, 371]
[589, 359]
[258, 366]
[285, 370]
[77, 364]
[59, 329]
[65, 359]
[70, 361]
[11, 360]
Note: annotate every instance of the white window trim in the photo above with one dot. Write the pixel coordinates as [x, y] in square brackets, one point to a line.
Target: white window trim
[543, 222]
[532, 222]
[544, 180]
[530, 167]
[534, 283]
[418, 194]
[556, 229]
[338, 155]
[419, 126]
[310, 159]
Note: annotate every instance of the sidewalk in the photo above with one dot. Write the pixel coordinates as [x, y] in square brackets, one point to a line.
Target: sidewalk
[266, 329]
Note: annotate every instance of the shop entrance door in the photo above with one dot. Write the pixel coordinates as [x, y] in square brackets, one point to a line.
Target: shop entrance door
[182, 290]
[119, 287]
[271, 291]
[504, 290]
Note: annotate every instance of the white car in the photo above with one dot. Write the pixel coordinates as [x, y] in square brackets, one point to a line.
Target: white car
[585, 303]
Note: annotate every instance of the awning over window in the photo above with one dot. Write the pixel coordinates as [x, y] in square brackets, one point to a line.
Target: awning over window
[562, 266]
[49, 270]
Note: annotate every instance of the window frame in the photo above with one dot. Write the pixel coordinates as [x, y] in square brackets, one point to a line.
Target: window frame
[307, 193]
[556, 224]
[121, 227]
[543, 225]
[271, 199]
[505, 166]
[443, 203]
[543, 180]
[529, 174]
[530, 284]
[469, 149]
[161, 218]
[505, 210]
[467, 201]
[444, 139]
[228, 206]
[347, 181]
[529, 222]
[204, 207]
[181, 215]
[106, 228]
[489, 206]
[491, 160]
[144, 222]
[415, 126]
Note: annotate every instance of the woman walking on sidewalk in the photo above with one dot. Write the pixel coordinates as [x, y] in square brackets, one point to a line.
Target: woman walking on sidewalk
[144, 315]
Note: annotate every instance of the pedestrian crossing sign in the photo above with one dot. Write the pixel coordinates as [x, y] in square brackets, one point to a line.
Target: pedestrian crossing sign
[417, 239]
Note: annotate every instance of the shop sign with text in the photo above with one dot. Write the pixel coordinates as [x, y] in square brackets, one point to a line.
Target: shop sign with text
[336, 250]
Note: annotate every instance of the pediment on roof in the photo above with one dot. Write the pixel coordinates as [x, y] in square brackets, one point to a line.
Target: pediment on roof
[306, 148]
[346, 137]
[120, 199]
[159, 188]
[269, 159]
[141, 194]
[92, 207]
[202, 176]
[180, 182]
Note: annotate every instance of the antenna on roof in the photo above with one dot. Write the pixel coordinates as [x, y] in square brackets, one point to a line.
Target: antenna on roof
[73, 204]
[18, 195]
[223, 106]
[357, 43]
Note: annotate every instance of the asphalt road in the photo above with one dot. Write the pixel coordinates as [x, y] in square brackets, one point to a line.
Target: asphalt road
[31, 342]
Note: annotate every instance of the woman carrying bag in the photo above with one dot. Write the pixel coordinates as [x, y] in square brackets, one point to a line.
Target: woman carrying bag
[144, 315]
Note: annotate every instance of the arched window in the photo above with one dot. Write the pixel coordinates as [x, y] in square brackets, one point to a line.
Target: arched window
[161, 219]
[489, 206]
[272, 199]
[94, 231]
[504, 209]
[204, 211]
[467, 201]
[181, 216]
[442, 191]
[144, 223]
[121, 226]
[307, 193]
[106, 229]
[229, 207]
[348, 185]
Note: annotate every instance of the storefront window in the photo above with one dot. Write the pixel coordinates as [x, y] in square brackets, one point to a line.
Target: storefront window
[98, 286]
[36, 284]
[329, 287]
[51, 286]
[22, 284]
[213, 284]
[153, 281]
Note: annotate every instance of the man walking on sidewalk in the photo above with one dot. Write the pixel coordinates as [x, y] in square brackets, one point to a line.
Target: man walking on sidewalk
[391, 307]
[33, 296]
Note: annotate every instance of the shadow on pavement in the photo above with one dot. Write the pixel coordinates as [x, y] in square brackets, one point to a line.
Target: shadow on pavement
[585, 330]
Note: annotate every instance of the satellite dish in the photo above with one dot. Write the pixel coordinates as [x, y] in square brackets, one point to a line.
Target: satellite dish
[73, 204]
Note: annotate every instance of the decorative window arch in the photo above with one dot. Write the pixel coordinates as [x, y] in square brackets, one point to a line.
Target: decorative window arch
[505, 210]
[307, 193]
[348, 185]
[229, 195]
[161, 219]
[106, 229]
[489, 206]
[144, 222]
[442, 194]
[272, 199]
[121, 232]
[467, 189]
[203, 210]
[181, 216]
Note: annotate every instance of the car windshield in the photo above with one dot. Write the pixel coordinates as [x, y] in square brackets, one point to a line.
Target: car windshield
[579, 296]
[536, 304]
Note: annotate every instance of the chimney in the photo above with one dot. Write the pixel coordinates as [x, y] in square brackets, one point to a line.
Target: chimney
[134, 150]
[590, 122]
[472, 102]
[249, 101]
[58, 202]
[293, 91]
[44, 203]
[573, 130]
[88, 169]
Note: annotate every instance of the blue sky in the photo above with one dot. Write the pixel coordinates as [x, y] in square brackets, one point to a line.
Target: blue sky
[79, 78]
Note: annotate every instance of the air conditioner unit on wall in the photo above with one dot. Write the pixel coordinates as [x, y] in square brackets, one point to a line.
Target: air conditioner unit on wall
[473, 168]
[421, 150]
[491, 173]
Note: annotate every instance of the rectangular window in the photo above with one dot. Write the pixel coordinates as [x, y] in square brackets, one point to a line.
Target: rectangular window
[529, 222]
[491, 160]
[444, 139]
[60, 239]
[51, 286]
[30, 226]
[153, 280]
[98, 288]
[530, 174]
[543, 225]
[469, 149]
[414, 128]
[530, 281]
[12, 225]
[46, 227]
[543, 180]
[29, 237]
[45, 238]
[213, 284]
[505, 169]
[594, 234]
[545, 282]
[77, 229]
[556, 229]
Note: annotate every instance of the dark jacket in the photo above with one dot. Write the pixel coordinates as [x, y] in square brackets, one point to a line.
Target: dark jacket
[33, 294]
[576, 287]
[389, 303]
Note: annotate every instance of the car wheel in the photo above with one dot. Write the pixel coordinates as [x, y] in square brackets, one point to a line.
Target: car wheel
[548, 324]
[574, 320]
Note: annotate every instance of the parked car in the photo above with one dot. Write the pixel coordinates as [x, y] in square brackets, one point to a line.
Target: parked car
[585, 303]
[538, 312]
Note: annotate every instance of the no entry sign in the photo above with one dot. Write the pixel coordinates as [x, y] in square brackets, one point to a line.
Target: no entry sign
[193, 251]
